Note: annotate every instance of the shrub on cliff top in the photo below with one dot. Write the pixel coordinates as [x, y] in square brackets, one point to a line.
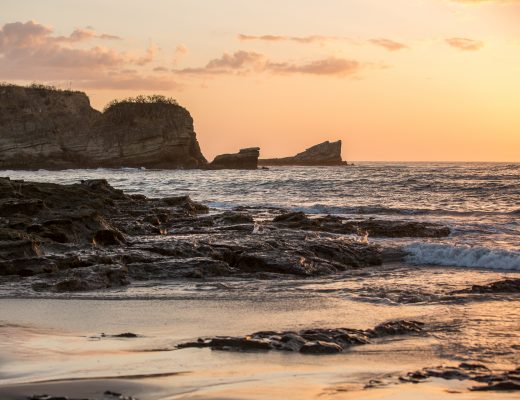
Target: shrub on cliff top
[40, 87]
[151, 99]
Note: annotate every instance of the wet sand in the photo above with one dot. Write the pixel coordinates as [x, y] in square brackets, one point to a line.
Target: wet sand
[56, 346]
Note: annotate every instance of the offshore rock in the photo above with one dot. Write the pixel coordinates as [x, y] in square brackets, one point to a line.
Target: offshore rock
[307, 341]
[42, 127]
[324, 154]
[244, 159]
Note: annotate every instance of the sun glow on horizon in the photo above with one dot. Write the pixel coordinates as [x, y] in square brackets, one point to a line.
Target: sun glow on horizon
[432, 80]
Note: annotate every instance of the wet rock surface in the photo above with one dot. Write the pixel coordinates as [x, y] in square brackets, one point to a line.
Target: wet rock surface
[107, 395]
[91, 236]
[504, 286]
[370, 227]
[307, 341]
[508, 380]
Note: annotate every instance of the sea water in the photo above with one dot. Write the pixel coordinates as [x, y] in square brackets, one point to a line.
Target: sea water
[480, 202]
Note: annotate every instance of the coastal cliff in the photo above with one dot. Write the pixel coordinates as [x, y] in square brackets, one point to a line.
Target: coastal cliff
[42, 127]
[326, 154]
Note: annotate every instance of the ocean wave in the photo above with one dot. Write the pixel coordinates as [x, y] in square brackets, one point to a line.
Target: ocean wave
[320, 208]
[331, 209]
[463, 256]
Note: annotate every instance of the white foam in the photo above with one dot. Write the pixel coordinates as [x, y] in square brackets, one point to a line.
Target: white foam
[463, 256]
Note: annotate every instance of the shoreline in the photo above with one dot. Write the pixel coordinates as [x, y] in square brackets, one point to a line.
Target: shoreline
[141, 276]
[39, 330]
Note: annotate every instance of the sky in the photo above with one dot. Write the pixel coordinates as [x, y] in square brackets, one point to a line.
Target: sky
[395, 80]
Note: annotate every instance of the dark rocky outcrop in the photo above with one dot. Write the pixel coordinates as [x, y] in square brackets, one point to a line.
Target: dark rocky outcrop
[91, 236]
[494, 380]
[326, 154]
[307, 341]
[45, 128]
[244, 159]
[370, 227]
[505, 286]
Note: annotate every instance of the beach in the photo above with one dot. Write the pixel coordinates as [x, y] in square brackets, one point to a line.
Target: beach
[124, 340]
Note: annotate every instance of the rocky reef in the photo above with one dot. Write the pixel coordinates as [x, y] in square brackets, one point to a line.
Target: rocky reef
[90, 236]
[42, 127]
[244, 159]
[323, 154]
[307, 341]
[488, 378]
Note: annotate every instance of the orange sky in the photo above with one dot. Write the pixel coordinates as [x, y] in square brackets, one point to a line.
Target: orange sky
[412, 80]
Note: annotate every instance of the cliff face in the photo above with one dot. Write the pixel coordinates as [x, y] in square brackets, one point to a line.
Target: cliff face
[43, 128]
[326, 153]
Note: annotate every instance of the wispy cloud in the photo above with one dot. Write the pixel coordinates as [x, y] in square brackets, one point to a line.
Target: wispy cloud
[180, 52]
[245, 62]
[388, 44]
[465, 44]
[297, 39]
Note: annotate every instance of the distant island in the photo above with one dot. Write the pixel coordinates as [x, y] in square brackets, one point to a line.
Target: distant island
[44, 127]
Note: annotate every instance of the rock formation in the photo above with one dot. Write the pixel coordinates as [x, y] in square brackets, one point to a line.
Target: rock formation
[90, 236]
[42, 127]
[326, 154]
[244, 159]
[307, 341]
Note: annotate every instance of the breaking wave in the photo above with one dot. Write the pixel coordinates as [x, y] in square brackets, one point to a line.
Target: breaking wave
[463, 256]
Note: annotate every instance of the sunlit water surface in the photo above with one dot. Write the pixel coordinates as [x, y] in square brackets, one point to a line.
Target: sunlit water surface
[59, 337]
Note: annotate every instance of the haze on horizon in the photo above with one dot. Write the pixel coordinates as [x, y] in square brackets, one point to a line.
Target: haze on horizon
[401, 80]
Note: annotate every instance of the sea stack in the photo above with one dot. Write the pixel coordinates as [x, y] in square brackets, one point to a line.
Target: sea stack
[244, 159]
[42, 127]
[323, 154]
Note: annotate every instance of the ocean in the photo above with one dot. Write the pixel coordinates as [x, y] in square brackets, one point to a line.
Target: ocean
[61, 343]
[480, 202]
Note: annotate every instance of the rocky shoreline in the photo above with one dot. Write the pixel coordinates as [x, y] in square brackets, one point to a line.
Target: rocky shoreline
[90, 236]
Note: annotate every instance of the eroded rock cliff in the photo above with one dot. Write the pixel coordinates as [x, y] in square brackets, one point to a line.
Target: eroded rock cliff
[326, 153]
[46, 128]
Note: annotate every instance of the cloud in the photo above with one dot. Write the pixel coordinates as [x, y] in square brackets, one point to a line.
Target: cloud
[244, 62]
[149, 56]
[327, 66]
[29, 51]
[131, 81]
[84, 34]
[180, 52]
[297, 39]
[160, 69]
[388, 44]
[465, 44]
